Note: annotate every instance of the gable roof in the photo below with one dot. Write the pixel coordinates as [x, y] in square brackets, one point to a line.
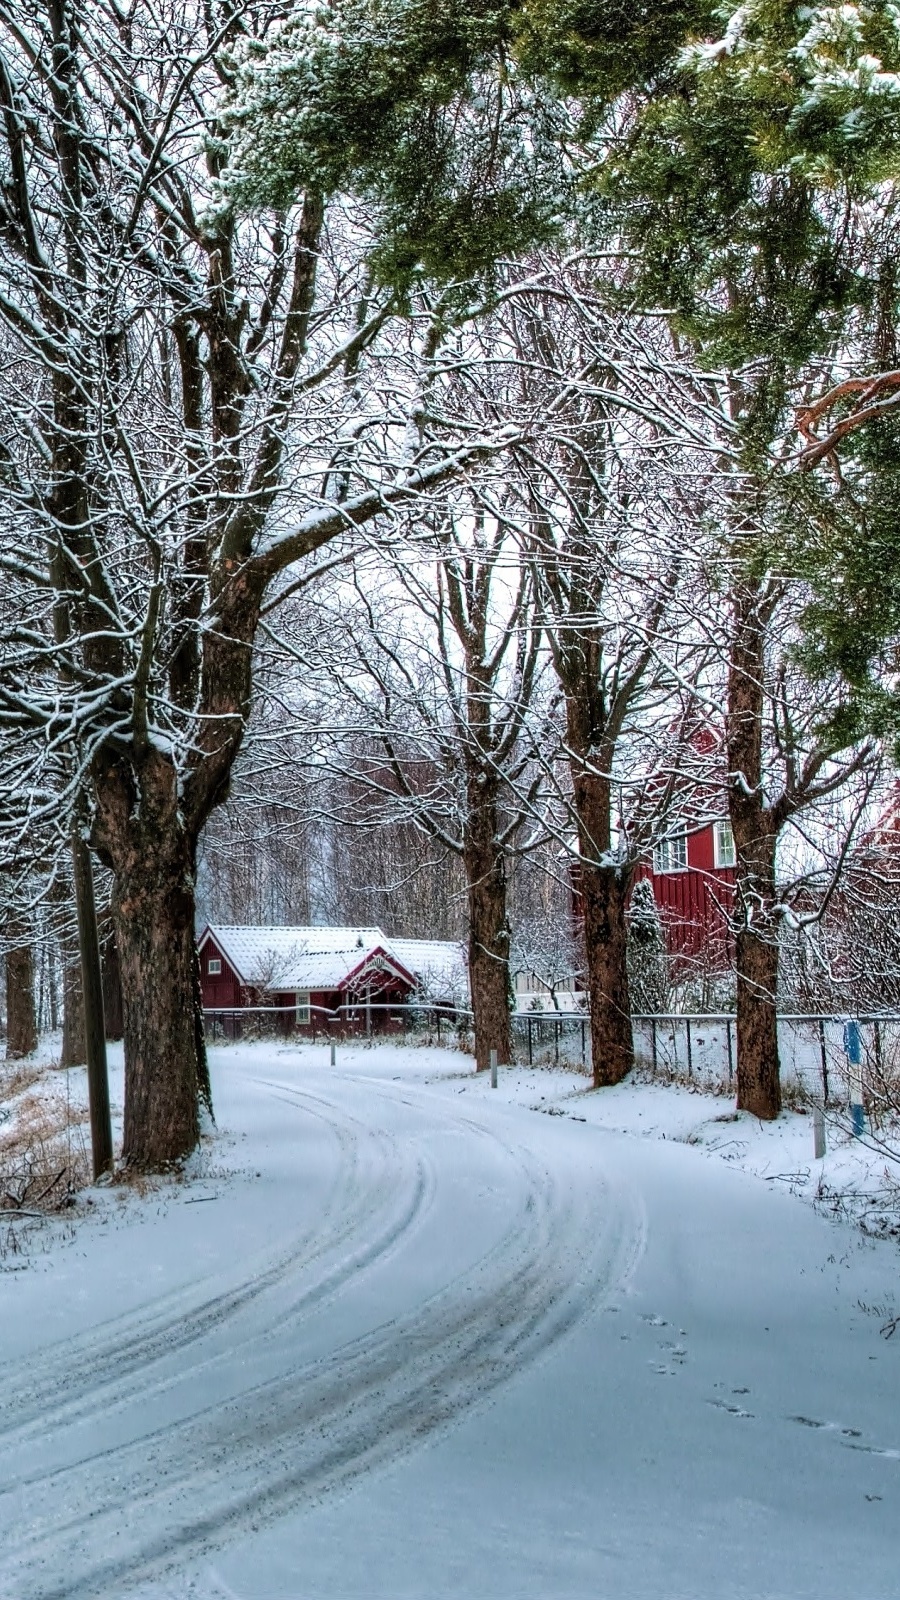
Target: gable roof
[311, 958]
[298, 958]
[440, 967]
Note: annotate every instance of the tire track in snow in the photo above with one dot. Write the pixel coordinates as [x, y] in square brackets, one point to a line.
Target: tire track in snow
[74, 1375]
[165, 1496]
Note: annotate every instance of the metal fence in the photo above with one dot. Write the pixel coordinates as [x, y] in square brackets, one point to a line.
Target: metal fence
[698, 1048]
[811, 1047]
[537, 1036]
[361, 1019]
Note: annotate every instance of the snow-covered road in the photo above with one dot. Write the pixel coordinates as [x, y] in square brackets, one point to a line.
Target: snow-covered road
[415, 1340]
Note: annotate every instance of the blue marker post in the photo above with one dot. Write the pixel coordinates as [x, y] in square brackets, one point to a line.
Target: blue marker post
[853, 1051]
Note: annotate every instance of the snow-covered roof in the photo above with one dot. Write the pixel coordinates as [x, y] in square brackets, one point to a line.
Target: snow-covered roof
[299, 958]
[324, 958]
[439, 965]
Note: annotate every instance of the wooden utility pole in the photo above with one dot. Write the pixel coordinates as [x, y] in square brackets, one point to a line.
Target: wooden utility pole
[92, 989]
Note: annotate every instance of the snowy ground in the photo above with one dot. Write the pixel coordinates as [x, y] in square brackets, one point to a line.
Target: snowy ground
[403, 1336]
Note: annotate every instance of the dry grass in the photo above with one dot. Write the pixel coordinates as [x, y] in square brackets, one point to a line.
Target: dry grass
[44, 1154]
[16, 1077]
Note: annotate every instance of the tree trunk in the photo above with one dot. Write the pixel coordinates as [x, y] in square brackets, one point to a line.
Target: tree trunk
[755, 830]
[153, 914]
[73, 1053]
[112, 980]
[52, 993]
[604, 894]
[21, 1025]
[758, 1074]
[488, 936]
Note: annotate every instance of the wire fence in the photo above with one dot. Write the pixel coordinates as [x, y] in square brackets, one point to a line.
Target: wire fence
[697, 1048]
[812, 1050]
[537, 1036]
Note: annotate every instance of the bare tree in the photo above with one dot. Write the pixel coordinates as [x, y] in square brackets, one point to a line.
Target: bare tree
[433, 683]
[609, 493]
[779, 768]
[175, 380]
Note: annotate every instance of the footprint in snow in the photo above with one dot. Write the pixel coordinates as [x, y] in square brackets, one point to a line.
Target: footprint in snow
[829, 1427]
[733, 1411]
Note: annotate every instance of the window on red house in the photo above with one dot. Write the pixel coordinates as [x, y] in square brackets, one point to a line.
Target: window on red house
[724, 844]
[671, 854]
[214, 967]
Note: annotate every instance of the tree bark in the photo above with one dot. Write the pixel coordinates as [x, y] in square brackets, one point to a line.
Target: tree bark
[153, 912]
[488, 935]
[758, 1074]
[21, 1024]
[604, 895]
[73, 1052]
[151, 853]
[112, 980]
[755, 829]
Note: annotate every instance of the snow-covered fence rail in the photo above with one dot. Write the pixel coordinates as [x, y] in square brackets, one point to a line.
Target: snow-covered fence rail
[367, 1017]
[538, 1037]
[813, 1057]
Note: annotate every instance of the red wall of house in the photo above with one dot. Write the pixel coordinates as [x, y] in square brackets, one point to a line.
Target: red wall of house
[221, 990]
[694, 904]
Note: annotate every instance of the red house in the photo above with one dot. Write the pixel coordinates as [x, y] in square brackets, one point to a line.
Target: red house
[693, 877]
[309, 977]
[692, 868]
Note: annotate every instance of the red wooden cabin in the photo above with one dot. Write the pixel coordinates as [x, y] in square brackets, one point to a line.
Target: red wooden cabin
[308, 978]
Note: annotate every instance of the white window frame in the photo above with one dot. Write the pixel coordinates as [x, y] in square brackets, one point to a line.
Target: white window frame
[301, 1008]
[214, 967]
[665, 851]
[724, 853]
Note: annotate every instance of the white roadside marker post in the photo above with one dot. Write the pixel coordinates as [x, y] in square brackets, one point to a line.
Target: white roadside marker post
[818, 1133]
[493, 1069]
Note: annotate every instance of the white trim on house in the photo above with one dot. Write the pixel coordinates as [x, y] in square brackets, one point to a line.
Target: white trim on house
[724, 854]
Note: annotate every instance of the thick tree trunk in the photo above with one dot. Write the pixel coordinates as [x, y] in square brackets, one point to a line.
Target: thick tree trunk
[758, 1074]
[604, 895]
[488, 937]
[21, 1024]
[153, 913]
[73, 1052]
[755, 829]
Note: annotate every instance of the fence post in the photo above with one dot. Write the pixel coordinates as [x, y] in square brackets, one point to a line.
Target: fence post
[853, 1051]
[818, 1133]
[653, 1043]
[730, 1056]
[690, 1057]
[583, 1041]
[824, 1061]
[493, 1069]
[530, 1044]
[333, 1052]
[556, 1042]
[878, 1048]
